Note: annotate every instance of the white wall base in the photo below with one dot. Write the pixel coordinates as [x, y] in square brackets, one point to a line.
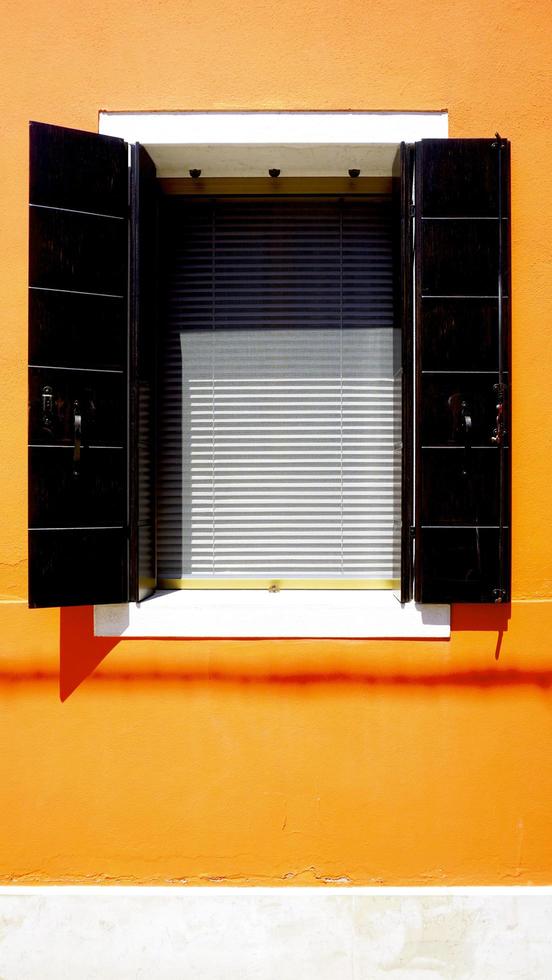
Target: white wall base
[117, 933]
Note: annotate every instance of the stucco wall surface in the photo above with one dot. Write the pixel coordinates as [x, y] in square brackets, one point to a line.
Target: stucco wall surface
[283, 761]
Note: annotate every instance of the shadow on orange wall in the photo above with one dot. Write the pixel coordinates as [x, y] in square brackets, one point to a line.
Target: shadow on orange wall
[80, 651]
[484, 617]
[470, 617]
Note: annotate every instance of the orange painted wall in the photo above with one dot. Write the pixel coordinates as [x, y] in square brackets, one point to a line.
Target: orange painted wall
[267, 762]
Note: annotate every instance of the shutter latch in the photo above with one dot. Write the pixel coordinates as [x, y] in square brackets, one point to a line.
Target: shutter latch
[461, 418]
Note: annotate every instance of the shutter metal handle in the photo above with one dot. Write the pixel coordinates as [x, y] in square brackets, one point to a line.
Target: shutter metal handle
[77, 424]
[47, 408]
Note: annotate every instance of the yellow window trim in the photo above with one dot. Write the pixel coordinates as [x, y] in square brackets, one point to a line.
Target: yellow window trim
[276, 584]
[273, 186]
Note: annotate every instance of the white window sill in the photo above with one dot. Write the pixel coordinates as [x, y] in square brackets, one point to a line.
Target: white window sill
[255, 613]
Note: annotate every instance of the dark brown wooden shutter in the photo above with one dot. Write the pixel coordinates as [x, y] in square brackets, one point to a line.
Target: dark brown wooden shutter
[78, 271]
[142, 360]
[462, 380]
[405, 287]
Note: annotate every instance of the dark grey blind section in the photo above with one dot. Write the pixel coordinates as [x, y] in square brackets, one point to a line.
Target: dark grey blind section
[280, 414]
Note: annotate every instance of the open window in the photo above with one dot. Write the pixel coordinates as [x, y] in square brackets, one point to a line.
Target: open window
[273, 431]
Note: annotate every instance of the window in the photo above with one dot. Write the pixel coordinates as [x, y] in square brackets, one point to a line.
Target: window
[92, 527]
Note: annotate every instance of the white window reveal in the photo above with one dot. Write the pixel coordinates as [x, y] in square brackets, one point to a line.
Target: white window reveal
[280, 408]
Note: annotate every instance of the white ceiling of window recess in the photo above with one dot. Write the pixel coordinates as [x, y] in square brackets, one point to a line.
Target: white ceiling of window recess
[248, 144]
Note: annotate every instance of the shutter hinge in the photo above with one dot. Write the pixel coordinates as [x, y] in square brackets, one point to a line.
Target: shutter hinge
[412, 210]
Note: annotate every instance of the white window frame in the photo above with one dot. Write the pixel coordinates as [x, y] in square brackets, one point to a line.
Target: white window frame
[300, 144]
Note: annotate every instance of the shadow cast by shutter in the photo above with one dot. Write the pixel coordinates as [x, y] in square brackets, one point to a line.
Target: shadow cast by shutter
[484, 617]
[80, 652]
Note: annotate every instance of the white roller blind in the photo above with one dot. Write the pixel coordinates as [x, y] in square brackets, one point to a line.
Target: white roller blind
[280, 402]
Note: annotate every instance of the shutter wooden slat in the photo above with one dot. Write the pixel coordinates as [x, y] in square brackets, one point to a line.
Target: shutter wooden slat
[462, 510]
[68, 331]
[77, 252]
[78, 171]
[78, 243]
[96, 498]
[75, 567]
[459, 564]
[461, 257]
[460, 488]
[459, 335]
